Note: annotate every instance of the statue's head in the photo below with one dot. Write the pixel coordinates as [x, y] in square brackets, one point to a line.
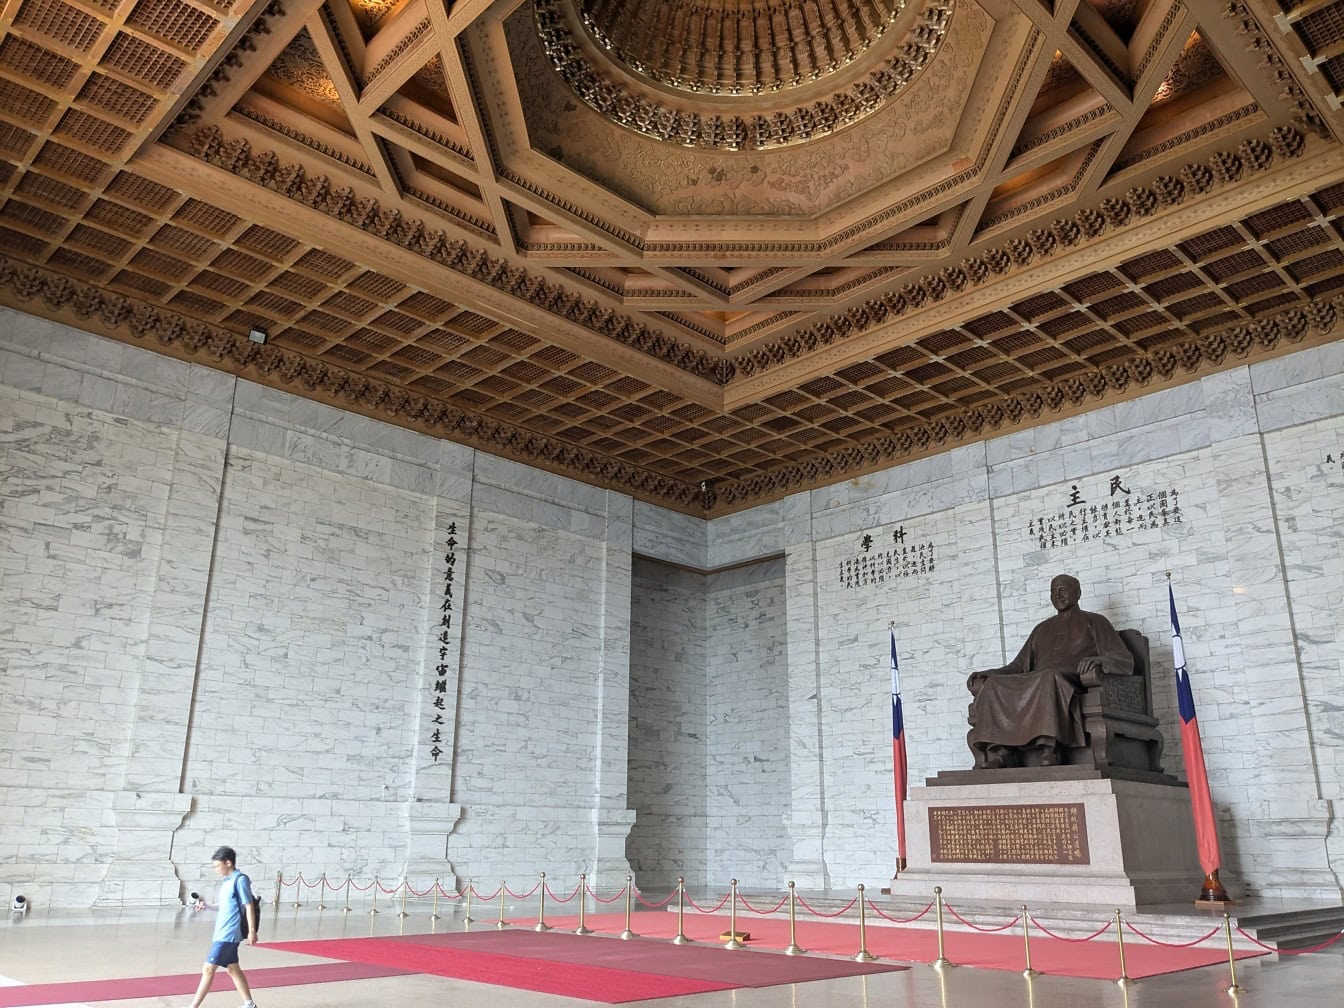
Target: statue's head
[1065, 591]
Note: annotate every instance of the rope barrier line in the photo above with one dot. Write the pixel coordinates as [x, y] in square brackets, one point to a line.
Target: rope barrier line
[660, 904]
[563, 899]
[1156, 941]
[1065, 938]
[764, 913]
[619, 895]
[714, 909]
[1282, 951]
[817, 913]
[901, 920]
[404, 889]
[976, 927]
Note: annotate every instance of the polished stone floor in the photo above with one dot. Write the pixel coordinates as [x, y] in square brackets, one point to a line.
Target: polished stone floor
[106, 944]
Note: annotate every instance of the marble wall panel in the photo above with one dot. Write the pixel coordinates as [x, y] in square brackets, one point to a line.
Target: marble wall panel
[669, 724]
[310, 657]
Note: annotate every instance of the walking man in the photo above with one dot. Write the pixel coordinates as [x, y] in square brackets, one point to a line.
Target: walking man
[235, 901]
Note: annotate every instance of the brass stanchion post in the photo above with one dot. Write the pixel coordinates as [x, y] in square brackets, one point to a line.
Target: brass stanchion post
[434, 908]
[503, 887]
[629, 895]
[468, 918]
[346, 908]
[681, 938]
[373, 909]
[793, 947]
[583, 929]
[1026, 943]
[541, 907]
[732, 942]
[1234, 988]
[322, 893]
[405, 886]
[1124, 980]
[942, 962]
[278, 878]
[863, 955]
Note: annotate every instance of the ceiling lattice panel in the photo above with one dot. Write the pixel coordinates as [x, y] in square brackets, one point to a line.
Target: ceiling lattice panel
[705, 291]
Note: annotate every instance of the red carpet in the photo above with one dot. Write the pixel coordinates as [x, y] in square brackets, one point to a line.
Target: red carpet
[184, 984]
[1097, 959]
[592, 968]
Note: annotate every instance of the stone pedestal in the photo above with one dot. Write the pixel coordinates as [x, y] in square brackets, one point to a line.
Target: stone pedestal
[1051, 835]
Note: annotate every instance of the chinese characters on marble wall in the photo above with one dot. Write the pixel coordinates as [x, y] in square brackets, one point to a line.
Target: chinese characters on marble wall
[438, 702]
[1089, 516]
[884, 559]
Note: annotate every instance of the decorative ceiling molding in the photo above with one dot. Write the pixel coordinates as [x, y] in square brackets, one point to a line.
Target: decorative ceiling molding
[678, 118]
[1060, 235]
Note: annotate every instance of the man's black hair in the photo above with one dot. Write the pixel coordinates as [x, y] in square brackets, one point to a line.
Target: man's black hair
[225, 854]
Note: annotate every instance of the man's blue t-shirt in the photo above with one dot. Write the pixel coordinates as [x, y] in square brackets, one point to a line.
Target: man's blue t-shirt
[228, 919]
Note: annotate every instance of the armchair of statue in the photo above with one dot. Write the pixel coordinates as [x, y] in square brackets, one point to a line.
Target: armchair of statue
[1122, 732]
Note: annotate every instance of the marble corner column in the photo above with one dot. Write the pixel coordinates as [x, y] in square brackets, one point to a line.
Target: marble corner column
[612, 816]
[1288, 822]
[432, 815]
[150, 805]
[805, 818]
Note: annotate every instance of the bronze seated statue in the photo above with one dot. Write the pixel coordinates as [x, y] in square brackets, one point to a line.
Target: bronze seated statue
[1077, 693]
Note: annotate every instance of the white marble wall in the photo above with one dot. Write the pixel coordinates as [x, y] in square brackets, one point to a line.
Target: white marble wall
[747, 726]
[255, 581]
[669, 726]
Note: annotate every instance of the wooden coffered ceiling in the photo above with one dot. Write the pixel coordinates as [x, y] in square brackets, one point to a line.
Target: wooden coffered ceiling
[702, 252]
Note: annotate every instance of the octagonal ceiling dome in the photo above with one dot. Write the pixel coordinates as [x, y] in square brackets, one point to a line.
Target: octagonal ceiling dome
[739, 74]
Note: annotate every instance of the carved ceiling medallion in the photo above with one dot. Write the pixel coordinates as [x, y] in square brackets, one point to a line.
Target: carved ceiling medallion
[747, 76]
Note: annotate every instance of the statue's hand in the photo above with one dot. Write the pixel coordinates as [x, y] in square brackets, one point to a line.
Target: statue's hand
[976, 680]
[1090, 670]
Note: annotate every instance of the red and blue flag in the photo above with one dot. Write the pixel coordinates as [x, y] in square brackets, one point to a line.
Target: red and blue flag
[1201, 802]
[898, 760]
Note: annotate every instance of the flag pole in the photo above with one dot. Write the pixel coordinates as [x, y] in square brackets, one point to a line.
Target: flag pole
[899, 764]
[1196, 775]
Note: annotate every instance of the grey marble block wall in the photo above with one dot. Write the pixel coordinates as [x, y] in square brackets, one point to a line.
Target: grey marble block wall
[669, 725]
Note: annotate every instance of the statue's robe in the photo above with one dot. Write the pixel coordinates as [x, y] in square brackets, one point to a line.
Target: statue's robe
[1035, 695]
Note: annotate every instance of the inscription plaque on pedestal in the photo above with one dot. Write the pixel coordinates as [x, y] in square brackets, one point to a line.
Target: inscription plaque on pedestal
[1009, 834]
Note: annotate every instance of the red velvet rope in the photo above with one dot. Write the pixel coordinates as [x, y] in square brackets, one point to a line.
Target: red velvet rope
[639, 898]
[817, 913]
[763, 913]
[484, 898]
[445, 893]
[896, 920]
[612, 900]
[1301, 951]
[561, 899]
[1155, 941]
[351, 884]
[714, 909]
[983, 930]
[522, 895]
[1045, 930]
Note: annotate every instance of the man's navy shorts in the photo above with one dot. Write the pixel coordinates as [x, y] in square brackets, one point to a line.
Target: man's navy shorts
[223, 954]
